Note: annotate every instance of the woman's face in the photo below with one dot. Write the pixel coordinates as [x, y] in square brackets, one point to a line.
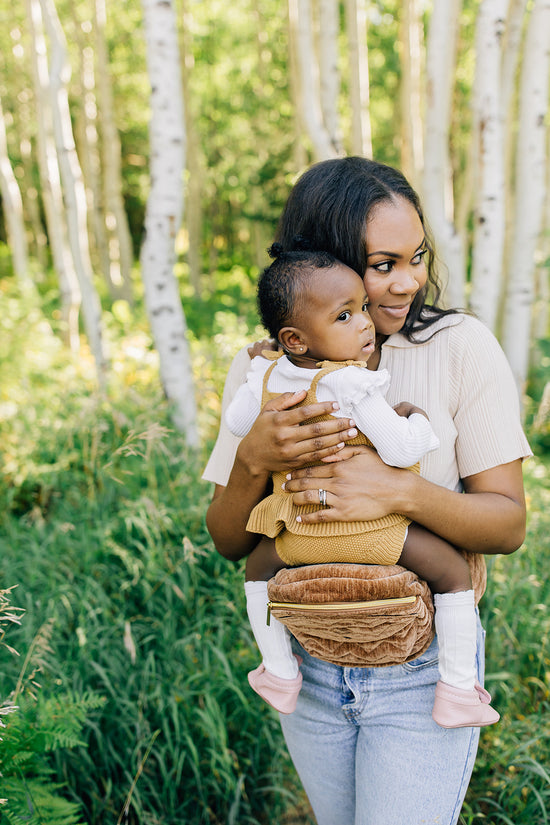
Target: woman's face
[396, 269]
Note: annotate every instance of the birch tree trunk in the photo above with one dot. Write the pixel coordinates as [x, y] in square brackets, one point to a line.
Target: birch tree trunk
[356, 29]
[74, 195]
[12, 208]
[87, 139]
[308, 77]
[52, 197]
[531, 176]
[438, 184]
[329, 74]
[412, 143]
[164, 213]
[489, 215]
[116, 220]
[195, 165]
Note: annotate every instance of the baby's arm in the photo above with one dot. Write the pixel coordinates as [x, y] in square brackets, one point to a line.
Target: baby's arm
[242, 411]
[399, 441]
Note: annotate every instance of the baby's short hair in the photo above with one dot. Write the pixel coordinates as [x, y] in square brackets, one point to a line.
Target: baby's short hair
[283, 284]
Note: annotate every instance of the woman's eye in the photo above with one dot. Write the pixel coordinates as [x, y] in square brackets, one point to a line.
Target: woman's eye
[384, 266]
[365, 307]
[418, 257]
[344, 316]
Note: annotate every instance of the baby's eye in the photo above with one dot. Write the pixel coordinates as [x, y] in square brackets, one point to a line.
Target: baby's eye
[365, 307]
[418, 257]
[344, 316]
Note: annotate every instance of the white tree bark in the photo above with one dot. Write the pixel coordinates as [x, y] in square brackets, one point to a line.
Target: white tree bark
[437, 179]
[116, 220]
[356, 29]
[329, 73]
[412, 141]
[12, 207]
[74, 194]
[489, 214]
[300, 21]
[531, 176]
[52, 197]
[164, 213]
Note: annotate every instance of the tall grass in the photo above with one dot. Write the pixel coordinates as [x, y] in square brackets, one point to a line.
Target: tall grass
[102, 530]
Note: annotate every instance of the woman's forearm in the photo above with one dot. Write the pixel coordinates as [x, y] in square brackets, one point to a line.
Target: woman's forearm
[228, 513]
[489, 517]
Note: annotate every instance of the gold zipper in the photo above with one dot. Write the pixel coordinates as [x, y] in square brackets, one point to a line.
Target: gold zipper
[341, 605]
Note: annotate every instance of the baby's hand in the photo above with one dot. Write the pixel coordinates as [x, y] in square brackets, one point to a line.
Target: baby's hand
[405, 409]
[258, 347]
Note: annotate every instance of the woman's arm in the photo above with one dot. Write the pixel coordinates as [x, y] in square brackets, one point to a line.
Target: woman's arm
[279, 440]
[489, 517]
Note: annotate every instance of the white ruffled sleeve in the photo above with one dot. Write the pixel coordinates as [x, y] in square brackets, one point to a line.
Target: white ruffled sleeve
[399, 441]
[245, 407]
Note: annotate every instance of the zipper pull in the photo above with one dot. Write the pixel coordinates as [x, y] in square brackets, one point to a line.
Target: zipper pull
[268, 617]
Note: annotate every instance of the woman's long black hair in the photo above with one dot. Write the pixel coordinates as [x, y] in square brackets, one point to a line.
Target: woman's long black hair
[330, 205]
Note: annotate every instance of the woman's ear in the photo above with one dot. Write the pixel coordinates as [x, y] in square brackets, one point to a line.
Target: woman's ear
[292, 341]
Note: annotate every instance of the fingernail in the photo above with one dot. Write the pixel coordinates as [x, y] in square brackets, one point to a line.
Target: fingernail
[288, 477]
[351, 433]
[341, 445]
[335, 406]
[298, 518]
[351, 422]
[282, 486]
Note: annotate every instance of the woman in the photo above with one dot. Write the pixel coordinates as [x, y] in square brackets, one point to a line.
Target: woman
[362, 739]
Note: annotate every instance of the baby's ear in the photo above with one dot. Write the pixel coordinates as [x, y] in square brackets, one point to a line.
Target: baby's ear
[291, 340]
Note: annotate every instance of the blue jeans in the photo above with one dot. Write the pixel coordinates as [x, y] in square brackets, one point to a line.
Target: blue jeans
[367, 749]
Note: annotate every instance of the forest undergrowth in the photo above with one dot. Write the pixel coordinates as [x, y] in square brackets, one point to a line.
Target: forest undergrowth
[124, 644]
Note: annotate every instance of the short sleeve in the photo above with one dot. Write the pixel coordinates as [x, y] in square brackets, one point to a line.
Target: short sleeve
[487, 411]
[220, 463]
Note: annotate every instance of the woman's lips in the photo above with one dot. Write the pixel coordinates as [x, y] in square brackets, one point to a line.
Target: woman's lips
[400, 311]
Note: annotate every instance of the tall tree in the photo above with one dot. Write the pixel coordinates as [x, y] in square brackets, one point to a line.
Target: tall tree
[74, 195]
[329, 72]
[438, 189]
[489, 215]
[115, 218]
[164, 213]
[356, 29]
[309, 102]
[530, 178]
[12, 207]
[412, 139]
[50, 180]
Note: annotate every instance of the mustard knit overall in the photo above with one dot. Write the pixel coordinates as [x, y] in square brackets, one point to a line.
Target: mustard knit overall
[366, 542]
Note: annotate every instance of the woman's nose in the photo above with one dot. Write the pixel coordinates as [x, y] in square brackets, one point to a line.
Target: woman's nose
[404, 281]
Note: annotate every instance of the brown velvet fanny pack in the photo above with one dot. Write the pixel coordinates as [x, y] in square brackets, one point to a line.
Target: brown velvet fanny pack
[354, 615]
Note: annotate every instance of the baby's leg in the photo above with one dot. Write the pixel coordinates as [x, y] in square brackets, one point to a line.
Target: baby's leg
[263, 562]
[459, 703]
[277, 679]
[436, 561]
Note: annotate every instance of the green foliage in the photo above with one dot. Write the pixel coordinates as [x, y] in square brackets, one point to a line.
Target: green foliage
[538, 409]
[36, 726]
[103, 529]
[511, 782]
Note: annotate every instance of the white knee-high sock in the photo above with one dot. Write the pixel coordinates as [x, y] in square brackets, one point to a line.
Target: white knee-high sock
[273, 639]
[455, 624]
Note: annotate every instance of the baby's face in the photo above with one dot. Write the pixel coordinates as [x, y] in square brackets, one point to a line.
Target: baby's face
[335, 323]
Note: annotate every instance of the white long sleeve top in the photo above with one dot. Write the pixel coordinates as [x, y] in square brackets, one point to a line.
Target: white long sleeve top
[360, 394]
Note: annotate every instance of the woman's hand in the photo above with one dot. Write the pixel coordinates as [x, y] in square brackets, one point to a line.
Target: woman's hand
[281, 440]
[359, 488]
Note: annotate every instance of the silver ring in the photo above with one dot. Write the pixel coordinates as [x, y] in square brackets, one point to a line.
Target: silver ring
[322, 497]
